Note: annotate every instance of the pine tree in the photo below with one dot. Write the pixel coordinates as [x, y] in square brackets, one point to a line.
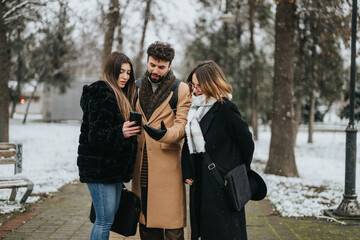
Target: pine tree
[243, 63]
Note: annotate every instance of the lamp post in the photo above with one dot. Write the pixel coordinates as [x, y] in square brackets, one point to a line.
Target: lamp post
[349, 206]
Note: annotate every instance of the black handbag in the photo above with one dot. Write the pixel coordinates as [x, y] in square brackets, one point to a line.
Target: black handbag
[127, 215]
[235, 184]
[237, 187]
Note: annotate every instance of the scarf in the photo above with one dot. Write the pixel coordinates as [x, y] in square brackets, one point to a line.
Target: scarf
[149, 100]
[198, 109]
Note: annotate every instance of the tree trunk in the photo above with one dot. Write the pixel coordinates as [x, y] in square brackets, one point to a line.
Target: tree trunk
[282, 157]
[238, 39]
[29, 102]
[311, 115]
[120, 38]
[342, 102]
[253, 71]
[146, 16]
[4, 89]
[111, 22]
[314, 77]
[299, 88]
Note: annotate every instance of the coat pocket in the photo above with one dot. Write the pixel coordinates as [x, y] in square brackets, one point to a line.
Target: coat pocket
[170, 146]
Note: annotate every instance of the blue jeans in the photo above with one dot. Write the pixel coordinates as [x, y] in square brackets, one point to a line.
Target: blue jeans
[106, 199]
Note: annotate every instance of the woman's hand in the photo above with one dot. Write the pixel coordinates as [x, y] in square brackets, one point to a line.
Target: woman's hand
[189, 181]
[129, 131]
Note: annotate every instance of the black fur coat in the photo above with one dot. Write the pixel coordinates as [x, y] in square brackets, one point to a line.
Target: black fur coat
[104, 155]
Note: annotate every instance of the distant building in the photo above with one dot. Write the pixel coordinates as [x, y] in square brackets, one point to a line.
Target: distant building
[66, 106]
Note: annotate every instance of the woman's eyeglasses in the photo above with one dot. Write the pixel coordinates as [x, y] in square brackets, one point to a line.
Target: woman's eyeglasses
[193, 86]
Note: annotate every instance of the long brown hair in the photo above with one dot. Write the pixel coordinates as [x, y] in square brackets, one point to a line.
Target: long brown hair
[212, 80]
[110, 74]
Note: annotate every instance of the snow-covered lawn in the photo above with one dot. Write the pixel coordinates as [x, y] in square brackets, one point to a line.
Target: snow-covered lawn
[49, 160]
[321, 166]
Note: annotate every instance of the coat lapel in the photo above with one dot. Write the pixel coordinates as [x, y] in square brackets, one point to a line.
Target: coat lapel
[160, 109]
[206, 120]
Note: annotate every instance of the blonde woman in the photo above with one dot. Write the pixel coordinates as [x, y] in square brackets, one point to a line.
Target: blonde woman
[107, 148]
[216, 133]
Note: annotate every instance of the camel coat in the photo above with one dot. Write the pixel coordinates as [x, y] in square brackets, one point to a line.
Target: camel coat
[166, 192]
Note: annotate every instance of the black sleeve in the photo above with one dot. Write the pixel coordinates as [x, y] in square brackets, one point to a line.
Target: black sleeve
[102, 130]
[186, 165]
[241, 133]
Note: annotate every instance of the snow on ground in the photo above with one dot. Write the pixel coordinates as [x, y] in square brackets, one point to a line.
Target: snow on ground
[321, 167]
[49, 160]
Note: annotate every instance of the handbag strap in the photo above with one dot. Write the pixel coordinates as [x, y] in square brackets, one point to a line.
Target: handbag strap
[212, 167]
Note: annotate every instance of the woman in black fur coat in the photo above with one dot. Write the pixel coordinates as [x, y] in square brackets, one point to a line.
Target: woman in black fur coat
[107, 148]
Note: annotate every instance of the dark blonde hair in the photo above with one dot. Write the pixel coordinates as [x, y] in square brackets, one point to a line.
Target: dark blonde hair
[110, 74]
[212, 81]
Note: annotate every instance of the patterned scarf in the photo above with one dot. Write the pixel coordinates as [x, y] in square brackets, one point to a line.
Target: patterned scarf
[149, 100]
[198, 109]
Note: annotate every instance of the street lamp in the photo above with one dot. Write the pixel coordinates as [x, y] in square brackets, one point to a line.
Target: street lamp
[349, 206]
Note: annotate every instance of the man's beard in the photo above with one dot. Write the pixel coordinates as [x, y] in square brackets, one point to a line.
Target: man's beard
[159, 79]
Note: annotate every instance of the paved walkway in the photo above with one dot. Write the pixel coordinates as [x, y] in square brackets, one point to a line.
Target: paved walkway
[65, 216]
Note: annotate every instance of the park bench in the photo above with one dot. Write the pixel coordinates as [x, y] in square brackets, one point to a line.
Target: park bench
[11, 153]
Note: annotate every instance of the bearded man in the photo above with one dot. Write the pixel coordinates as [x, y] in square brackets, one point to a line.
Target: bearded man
[157, 172]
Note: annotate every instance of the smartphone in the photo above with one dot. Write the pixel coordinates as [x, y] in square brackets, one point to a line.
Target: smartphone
[135, 116]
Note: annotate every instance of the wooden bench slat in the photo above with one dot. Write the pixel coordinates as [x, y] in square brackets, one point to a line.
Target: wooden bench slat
[11, 153]
[7, 161]
[11, 184]
[13, 181]
[11, 178]
[7, 154]
[18, 185]
[5, 146]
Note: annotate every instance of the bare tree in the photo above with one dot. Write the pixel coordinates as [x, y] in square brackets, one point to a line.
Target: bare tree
[146, 16]
[282, 157]
[299, 90]
[121, 21]
[112, 19]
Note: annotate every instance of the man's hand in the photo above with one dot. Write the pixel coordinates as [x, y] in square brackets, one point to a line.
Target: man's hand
[156, 134]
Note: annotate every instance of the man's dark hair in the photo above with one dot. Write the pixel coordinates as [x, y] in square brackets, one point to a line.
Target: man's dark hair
[161, 51]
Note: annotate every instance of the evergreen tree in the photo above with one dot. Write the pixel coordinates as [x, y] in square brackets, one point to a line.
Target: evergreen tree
[10, 13]
[52, 55]
[241, 60]
[321, 25]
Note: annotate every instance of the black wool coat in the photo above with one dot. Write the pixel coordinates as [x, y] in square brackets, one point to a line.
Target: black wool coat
[104, 155]
[228, 143]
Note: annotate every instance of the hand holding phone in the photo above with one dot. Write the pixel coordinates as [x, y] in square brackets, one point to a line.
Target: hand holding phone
[135, 116]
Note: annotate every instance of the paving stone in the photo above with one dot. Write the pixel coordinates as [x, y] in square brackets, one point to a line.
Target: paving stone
[66, 216]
